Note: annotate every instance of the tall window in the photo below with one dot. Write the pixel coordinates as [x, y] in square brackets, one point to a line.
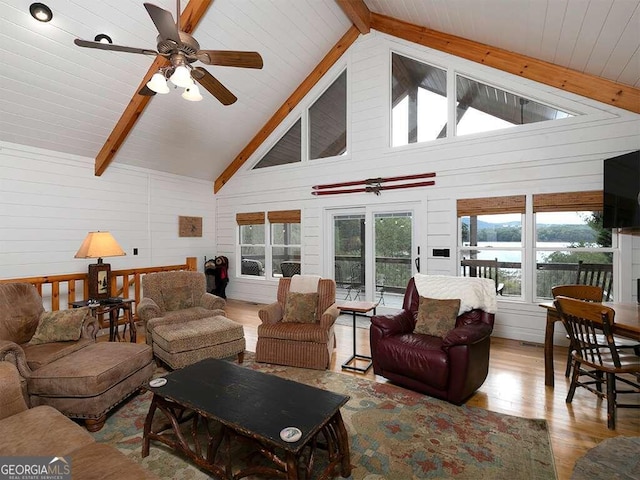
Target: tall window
[569, 238]
[286, 150]
[491, 229]
[328, 121]
[252, 243]
[418, 101]
[285, 241]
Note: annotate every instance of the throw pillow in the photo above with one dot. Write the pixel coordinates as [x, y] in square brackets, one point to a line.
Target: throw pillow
[178, 298]
[60, 326]
[436, 317]
[300, 307]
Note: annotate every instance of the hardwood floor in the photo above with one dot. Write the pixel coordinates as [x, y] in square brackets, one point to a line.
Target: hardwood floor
[515, 386]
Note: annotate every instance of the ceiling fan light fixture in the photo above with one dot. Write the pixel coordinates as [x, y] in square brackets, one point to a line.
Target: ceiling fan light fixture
[192, 93]
[158, 83]
[181, 77]
[103, 38]
[40, 12]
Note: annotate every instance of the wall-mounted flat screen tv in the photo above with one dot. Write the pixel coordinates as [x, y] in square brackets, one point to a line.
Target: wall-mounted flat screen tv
[621, 207]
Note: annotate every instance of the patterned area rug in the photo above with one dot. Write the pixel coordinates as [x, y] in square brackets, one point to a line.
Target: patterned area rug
[394, 434]
[612, 459]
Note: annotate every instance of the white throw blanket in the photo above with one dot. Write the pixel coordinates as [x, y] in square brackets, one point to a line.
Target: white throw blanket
[304, 283]
[473, 292]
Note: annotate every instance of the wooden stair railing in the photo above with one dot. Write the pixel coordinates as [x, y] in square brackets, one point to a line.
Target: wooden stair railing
[125, 278]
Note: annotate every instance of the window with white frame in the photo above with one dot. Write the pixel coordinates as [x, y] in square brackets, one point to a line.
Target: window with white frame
[418, 101]
[571, 246]
[482, 108]
[491, 229]
[326, 122]
[568, 243]
[270, 248]
[251, 241]
[285, 242]
[286, 150]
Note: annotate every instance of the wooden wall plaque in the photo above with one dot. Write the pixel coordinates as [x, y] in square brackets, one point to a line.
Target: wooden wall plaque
[190, 227]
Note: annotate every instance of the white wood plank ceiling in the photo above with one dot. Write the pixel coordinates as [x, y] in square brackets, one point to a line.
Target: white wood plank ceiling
[57, 96]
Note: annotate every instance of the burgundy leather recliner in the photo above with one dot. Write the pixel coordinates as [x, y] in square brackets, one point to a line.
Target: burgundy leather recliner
[450, 368]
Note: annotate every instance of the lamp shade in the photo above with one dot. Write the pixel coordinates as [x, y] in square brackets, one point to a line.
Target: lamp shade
[181, 77]
[98, 245]
[158, 83]
[192, 93]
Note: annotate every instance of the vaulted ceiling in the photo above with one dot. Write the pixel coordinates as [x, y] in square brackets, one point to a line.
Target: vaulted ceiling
[57, 96]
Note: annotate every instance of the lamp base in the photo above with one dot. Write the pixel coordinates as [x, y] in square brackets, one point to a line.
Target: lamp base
[99, 281]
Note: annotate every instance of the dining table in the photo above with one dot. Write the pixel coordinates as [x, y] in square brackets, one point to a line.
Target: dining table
[626, 324]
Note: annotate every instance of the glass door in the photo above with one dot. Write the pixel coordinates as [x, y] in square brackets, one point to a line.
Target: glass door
[349, 247]
[373, 253]
[393, 263]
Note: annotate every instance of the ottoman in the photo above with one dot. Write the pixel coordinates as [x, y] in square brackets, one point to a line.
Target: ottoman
[181, 344]
[88, 383]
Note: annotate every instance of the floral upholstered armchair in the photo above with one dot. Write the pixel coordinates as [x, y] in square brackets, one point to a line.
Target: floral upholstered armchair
[176, 297]
[185, 324]
[298, 329]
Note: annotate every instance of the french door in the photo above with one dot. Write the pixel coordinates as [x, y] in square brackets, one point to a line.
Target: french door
[372, 252]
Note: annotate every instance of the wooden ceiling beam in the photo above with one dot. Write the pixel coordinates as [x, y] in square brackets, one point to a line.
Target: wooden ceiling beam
[294, 99]
[590, 86]
[358, 13]
[191, 16]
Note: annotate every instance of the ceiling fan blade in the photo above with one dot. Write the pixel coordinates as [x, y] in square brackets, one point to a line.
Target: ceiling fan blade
[113, 48]
[230, 58]
[164, 22]
[146, 91]
[213, 86]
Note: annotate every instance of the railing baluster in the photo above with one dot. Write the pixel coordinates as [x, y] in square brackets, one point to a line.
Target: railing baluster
[125, 286]
[55, 295]
[71, 291]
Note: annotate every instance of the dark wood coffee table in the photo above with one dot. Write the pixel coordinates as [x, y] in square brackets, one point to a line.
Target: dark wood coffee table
[232, 403]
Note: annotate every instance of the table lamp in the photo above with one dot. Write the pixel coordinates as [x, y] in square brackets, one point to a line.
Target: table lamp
[98, 245]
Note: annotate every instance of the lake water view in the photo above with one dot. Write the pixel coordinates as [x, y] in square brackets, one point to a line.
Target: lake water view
[496, 250]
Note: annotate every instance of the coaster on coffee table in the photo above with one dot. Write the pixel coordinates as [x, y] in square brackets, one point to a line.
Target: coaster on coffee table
[290, 434]
[158, 382]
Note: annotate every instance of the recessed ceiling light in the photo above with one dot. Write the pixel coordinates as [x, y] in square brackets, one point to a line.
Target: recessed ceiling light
[41, 12]
[102, 38]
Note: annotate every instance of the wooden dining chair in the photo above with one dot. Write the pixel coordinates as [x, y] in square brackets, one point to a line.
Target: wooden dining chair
[600, 274]
[588, 293]
[596, 355]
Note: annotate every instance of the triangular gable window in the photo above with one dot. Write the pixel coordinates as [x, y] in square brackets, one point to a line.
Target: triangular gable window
[482, 108]
[328, 121]
[286, 150]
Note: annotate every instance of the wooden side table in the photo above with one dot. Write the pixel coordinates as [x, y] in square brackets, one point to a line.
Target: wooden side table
[356, 308]
[112, 308]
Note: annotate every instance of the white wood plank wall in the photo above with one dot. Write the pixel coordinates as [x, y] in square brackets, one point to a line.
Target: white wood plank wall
[538, 158]
[49, 201]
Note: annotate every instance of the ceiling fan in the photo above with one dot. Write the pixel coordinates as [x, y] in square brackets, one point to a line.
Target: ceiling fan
[181, 49]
